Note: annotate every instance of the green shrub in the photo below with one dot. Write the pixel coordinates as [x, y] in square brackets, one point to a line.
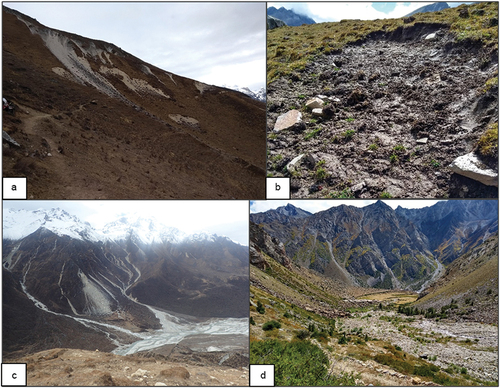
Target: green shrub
[302, 334]
[311, 134]
[349, 134]
[320, 174]
[343, 340]
[297, 363]
[260, 307]
[252, 322]
[270, 325]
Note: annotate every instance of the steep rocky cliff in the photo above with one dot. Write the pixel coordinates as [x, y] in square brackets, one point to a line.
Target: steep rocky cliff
[379, 246]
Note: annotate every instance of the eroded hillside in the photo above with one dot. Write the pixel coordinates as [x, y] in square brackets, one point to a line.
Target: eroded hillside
[301, 321]
[92, 121]
[384, 108]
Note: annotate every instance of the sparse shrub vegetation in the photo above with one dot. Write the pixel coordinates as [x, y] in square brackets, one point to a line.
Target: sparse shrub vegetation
[312, 134]
[320, 174]
[270, 325]
[385, 194]
[349, 134]
[260, 307]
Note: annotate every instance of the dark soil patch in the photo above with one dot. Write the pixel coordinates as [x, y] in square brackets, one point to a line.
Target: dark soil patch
[402, 108]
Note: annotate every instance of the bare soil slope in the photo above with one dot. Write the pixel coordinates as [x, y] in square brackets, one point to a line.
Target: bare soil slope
[94, 122]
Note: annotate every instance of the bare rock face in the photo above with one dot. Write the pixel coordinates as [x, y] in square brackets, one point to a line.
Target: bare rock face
[470, 166]
[261, 242]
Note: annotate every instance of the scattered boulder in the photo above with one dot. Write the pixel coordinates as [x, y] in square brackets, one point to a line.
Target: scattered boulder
[423, 140]
[176, 372]
[470, 166]
[290, 167]
[317, 112]
[105, 380]
[139, 373]
[314, 103]
[290, 120]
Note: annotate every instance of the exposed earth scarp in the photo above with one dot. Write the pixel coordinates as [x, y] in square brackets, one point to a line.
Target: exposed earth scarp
[394, 111]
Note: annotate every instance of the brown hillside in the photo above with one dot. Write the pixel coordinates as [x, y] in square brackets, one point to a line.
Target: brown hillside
[95, 122]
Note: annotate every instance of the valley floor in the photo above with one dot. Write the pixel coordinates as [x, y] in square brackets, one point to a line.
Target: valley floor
[384, 347]
[469, 345]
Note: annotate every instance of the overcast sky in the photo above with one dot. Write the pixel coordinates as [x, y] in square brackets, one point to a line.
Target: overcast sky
[224, 218]
[336, 11]
[217, 43]
[318, 205]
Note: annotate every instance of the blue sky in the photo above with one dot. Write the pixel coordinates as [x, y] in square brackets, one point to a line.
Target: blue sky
[216, 43]
[336, 11]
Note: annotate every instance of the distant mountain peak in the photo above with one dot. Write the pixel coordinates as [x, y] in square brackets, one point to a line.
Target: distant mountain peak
[438, 6]
[290, 210]
[20, 223]
[259, 95]
[290, 17]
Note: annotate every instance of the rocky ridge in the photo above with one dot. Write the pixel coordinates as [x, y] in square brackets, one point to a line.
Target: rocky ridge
[379, 246]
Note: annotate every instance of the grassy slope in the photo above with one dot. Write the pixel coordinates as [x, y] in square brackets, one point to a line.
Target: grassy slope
[469, 277]
[291, 48]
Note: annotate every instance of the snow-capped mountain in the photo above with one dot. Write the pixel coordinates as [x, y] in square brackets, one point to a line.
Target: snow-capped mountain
[18, 224]
[146, 229]
[99, 288]
[259, 95]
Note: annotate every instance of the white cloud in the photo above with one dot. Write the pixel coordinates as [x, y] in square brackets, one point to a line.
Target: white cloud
[225, 218]
[336, 11]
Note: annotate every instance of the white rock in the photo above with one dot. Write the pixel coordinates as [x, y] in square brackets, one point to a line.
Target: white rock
[160, 384]
[317, 112]
[288, 120]
[290, 167]
[431, 36]
[314, 103]
[139, 373]
[423, 140]
[470, 166]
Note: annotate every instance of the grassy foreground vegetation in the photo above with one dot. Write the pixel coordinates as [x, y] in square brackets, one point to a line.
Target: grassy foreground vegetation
[298, 363]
